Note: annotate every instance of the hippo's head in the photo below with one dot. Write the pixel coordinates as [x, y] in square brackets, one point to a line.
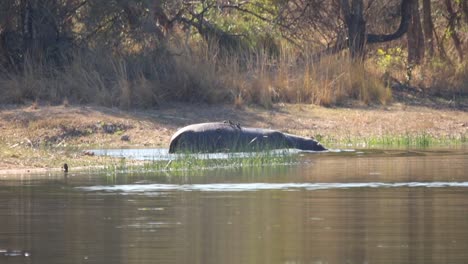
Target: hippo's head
[304, 143]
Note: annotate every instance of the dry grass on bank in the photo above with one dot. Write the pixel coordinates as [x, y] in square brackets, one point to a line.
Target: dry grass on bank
[201, 75]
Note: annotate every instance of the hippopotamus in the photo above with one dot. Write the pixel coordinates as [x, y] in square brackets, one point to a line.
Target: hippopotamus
[231, 137]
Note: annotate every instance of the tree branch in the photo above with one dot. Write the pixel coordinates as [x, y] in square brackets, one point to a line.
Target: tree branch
[71, 12]
[402, 29]
[343, 43]
[102, 26]
[239, 8]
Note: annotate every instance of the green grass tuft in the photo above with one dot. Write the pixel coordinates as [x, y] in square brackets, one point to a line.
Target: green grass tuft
[197, 162]
[421, 140]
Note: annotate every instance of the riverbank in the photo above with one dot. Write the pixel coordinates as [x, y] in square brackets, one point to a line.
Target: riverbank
[42, 138]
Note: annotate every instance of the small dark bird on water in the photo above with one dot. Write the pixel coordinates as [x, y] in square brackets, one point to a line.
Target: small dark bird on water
[65, 167]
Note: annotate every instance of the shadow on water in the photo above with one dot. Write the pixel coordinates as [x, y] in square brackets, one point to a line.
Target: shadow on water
[362, 206]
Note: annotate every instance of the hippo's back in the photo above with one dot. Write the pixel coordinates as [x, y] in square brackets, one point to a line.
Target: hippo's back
[225, 137]
[204, 137]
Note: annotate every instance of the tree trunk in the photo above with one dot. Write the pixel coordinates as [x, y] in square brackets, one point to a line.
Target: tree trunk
[356, 25]
[357, 36]
[415, 36]
[452, 20]
[464, 7]
[428, 27]
[27, 25]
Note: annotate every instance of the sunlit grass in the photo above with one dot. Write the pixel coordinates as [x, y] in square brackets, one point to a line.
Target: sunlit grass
[421, 140]
[126, 81]
[199, 162]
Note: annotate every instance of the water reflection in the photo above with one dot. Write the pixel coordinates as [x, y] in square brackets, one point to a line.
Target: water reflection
[163, 154]
[336, 208]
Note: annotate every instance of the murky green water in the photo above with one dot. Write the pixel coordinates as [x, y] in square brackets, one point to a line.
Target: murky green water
[350, 207]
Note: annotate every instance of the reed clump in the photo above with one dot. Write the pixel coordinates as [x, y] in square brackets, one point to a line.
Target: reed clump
[418, 140]
[197, 162]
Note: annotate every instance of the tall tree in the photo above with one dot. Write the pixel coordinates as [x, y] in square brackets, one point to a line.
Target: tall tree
[354, 19]
[428, 27]
[31, 27]
[356, 25]
[415, 36]
[452, 30]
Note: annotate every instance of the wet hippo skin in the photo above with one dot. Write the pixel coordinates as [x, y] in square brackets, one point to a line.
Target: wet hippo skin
[230, 137]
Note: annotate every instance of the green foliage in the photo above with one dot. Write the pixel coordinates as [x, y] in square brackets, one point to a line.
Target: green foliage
[390, 59]
[250, 21]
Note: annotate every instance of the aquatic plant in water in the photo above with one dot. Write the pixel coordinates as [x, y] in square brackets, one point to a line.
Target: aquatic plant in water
[207, 161]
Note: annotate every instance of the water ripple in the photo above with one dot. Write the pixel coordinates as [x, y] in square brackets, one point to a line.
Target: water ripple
[233, 187]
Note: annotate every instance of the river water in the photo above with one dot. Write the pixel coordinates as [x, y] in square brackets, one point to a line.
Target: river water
[366, 206]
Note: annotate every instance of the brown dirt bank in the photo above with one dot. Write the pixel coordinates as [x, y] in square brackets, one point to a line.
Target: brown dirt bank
[37, 139]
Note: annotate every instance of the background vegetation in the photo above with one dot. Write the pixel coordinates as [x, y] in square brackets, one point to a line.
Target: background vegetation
[138, 53]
